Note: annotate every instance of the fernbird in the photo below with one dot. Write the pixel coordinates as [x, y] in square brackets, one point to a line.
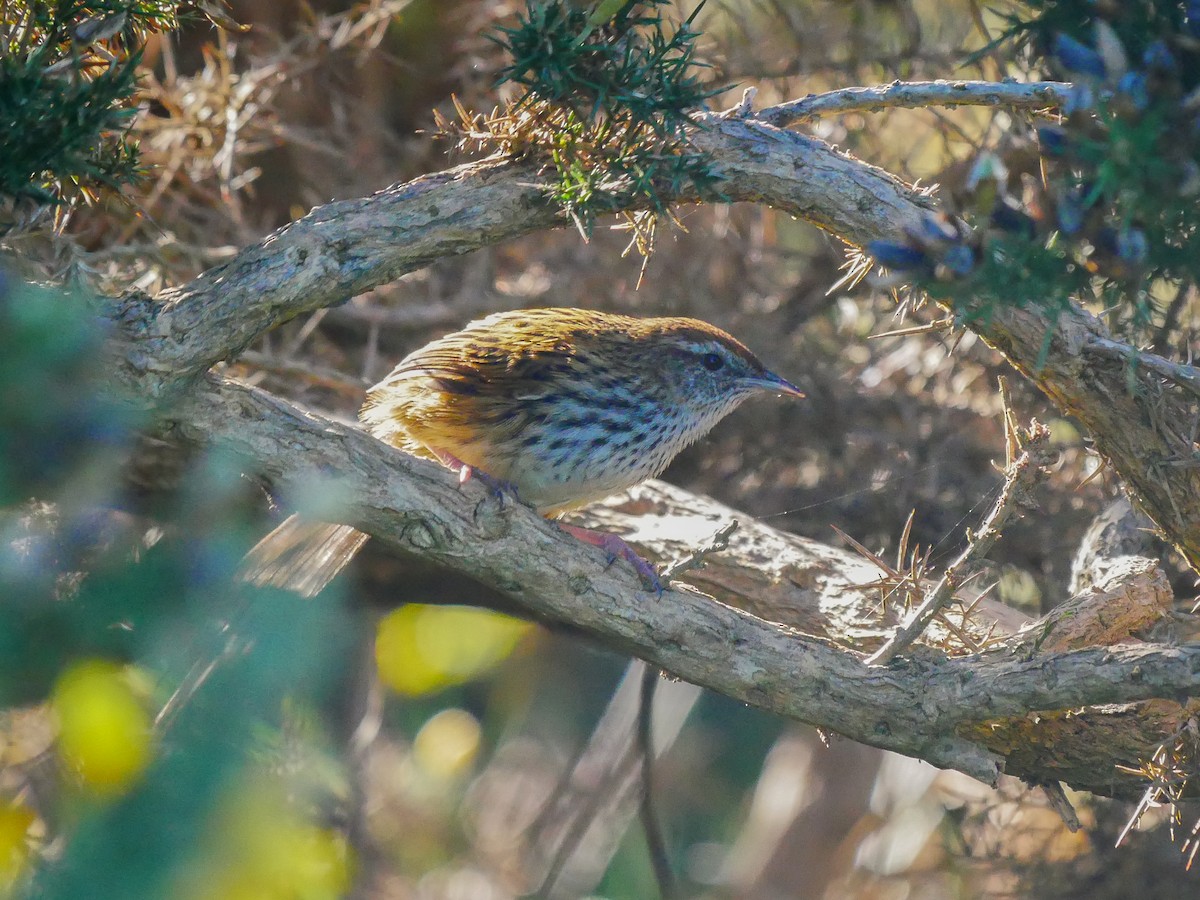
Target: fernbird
[560, 406]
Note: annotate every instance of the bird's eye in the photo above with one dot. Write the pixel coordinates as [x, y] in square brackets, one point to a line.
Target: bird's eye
[712, 361]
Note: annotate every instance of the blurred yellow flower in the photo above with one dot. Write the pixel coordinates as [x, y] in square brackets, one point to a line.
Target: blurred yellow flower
[259, 847]
[15, 820]
[447, 744]
[104, 731]
[421, 649]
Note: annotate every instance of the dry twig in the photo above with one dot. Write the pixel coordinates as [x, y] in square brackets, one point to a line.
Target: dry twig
[1169, 770]
[1021, 474]
[917, 94]
[719, 542]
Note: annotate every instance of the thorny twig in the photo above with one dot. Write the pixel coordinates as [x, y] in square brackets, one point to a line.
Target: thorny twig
[907, 578]
[1020, 475]
[1169, 770]
[1186, 377]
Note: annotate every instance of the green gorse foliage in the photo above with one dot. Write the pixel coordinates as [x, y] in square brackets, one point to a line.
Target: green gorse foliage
[67, 84]
[611, 98]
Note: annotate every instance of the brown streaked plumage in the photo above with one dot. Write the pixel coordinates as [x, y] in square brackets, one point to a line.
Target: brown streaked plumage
[564, 405]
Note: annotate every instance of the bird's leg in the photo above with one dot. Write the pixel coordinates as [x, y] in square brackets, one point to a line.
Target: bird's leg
[615, 547]
[466, 472]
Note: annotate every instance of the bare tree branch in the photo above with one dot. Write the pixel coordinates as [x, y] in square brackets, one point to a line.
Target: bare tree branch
[975, 714]
[835, 595]
[1035, 95]
[344, 248]
[918, 707]
[1136, 419]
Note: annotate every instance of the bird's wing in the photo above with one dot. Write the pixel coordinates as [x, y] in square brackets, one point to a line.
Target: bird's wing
[485, 370]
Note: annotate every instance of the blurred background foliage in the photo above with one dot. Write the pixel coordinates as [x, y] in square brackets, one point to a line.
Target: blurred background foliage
[167, 732]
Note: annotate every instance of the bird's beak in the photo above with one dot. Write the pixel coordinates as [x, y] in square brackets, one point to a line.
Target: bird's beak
[769, 381]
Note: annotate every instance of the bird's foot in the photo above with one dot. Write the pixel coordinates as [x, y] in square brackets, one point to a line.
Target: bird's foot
[501, 490]
[617, 547]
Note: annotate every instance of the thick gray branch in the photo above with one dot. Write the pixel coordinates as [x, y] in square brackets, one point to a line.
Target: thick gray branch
[918, 707]
[347, 247]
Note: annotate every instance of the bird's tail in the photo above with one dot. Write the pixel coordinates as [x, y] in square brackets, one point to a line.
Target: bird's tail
[301, 556]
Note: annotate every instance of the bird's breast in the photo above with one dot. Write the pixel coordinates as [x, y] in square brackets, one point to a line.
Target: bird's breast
[578, 455]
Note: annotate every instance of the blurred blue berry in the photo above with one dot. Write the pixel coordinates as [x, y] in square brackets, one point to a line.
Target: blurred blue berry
[935, 228]
[900, 257]
[1076, 57]
[1132, 246]
[1159, 58]
[1081, 97]
[1070, 214]
[1133, 86]
[959, 259]
[1053, 139]
[1008, 216]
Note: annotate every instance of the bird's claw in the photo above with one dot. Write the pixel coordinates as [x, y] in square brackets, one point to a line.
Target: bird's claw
[501, 490]
[616, 548]
[647, 572]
